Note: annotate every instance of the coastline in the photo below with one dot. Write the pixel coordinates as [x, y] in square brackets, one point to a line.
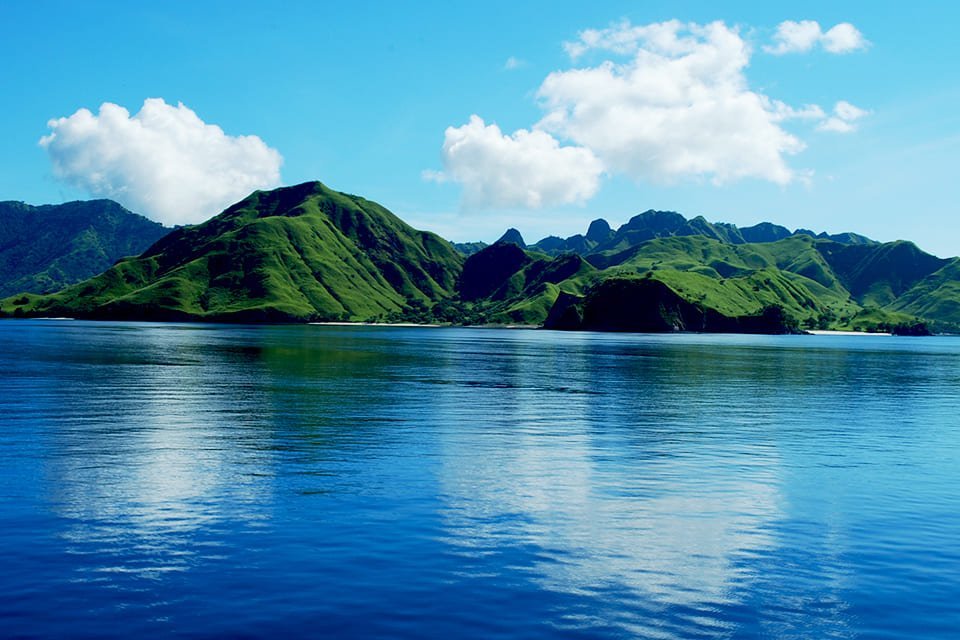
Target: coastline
[344, 323]
[830, 332]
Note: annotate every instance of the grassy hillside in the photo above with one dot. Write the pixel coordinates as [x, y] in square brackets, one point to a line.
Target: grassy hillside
[741, 279]
[879, 274]
[936, 297]
[841, 281]
[527, 296]
[649, 225]
[310, 253]
[631, 303]
[46, 248]
[297, 253]
[724, 280]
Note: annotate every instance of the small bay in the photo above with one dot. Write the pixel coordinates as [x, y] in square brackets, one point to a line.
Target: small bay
[360, 481]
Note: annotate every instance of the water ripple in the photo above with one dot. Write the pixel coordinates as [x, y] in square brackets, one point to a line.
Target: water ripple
[397, 482]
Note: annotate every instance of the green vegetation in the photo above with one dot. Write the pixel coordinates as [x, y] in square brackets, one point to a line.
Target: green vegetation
[792, 281]
[46, 248]
[294, 254]
[309, 253]
[936, 297]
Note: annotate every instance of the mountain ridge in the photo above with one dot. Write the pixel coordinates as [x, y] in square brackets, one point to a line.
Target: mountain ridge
[44, 248]
[292, 254]
[307, 252]
[654, 223]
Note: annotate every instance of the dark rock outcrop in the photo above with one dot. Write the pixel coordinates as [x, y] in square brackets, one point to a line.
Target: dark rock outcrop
[599, 231]
[512, 236]
[646, 305]
[486, 270]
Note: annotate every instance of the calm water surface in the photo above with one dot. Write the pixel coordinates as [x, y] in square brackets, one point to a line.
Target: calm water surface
[168, 480]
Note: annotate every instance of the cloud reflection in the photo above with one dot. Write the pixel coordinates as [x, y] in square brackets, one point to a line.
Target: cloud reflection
[141, 474]
[608, 497]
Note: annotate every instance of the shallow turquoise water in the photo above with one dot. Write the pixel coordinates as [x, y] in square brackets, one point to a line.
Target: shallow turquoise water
[408, 482]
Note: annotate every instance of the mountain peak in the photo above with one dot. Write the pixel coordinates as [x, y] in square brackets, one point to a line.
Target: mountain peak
[512, 236]
[47, 247]
[599, 230]
[295, 253]
[765, 232]
[653, 219]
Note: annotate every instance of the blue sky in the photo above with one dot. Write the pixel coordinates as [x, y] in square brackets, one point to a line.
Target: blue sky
[361, 95]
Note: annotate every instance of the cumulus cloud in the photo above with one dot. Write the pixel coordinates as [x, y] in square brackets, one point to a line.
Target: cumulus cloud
[164, 162]
[679, 107]
[666, 102]
[795, 37]
[803, 36]
[624, 38]
[526, 169]
[844, 38]
[844, 118]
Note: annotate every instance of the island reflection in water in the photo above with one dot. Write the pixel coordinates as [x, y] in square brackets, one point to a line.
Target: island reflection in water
[410, 482]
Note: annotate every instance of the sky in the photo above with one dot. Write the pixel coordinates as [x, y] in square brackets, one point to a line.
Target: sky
[468, 118]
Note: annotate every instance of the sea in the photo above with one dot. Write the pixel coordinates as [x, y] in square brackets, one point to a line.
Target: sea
[200, 481]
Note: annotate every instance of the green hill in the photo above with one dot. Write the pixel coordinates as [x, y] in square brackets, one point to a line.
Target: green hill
[46, 248]
[652, 224]
[733, 286]
[878, 274]
[293, 254]
[629, 303]
[936, 297]
[307, 252]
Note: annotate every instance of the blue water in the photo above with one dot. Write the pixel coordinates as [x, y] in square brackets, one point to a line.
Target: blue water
[190, 480]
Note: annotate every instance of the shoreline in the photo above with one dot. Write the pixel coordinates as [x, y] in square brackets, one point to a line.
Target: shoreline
[832, 332]
[344, 323]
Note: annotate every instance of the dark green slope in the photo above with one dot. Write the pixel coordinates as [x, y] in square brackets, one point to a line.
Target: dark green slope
[508, 285]
[527, 295]
[661, 224]
[486, 271]
[936, 297]
[309, 253]
[513, 236]
[628, 303]
[741, 280]
[46, 248]
[467, 249]
[877, 274]
[842, 238]
[764, 232]
[598, 233]
[701, 283]
[720, 260]
[652, 224]
[819, 280]
[297, 253]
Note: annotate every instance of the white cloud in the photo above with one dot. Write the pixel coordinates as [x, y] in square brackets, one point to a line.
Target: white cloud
[164, 162]
[803, 36]
[795, 37]
[836, 125]
[844, 118]
[679, 108]
[514, 63]
[621, 38]
[848, 111]
[782, 111]
[526, 169]
[844, 38]
[670, 103]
